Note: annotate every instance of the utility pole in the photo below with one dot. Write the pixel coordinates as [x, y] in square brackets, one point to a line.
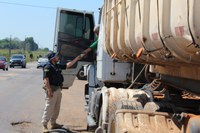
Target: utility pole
[10, 47]
[24, 46]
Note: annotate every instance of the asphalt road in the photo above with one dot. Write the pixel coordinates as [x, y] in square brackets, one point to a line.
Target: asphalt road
[22, 102]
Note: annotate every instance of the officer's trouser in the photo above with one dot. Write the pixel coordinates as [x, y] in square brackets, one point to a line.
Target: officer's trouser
[52, 107]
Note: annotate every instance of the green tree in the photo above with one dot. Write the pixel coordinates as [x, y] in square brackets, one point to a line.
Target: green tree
[4, 43]
[46, 49]
[30, 44]
[14, 43]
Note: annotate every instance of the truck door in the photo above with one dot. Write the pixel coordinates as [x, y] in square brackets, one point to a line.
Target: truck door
[73, 34]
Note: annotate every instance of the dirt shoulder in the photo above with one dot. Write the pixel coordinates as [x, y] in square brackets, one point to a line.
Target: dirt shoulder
[73, 114]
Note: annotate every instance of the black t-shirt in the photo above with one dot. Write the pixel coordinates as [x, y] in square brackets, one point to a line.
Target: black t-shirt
[54, 73]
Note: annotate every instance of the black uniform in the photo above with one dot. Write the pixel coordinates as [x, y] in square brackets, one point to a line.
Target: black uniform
[54, 73]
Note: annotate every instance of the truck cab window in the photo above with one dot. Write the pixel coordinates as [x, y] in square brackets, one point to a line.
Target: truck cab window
[71, 24]
[74, 34]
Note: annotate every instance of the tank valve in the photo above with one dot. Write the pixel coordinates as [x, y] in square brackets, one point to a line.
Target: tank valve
[139, 52]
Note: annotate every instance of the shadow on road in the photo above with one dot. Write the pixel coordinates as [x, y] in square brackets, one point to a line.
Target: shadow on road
[61, 130]
[64, 130]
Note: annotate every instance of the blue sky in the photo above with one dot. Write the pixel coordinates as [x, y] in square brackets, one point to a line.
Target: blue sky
[36, 18]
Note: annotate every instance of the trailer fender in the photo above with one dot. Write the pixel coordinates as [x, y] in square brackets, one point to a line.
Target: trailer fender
[105, 95]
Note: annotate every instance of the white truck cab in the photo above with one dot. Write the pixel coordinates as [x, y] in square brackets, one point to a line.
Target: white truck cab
[73, 34]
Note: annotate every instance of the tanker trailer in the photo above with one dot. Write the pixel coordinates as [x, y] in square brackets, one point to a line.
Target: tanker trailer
[163, 35]
[147, 69]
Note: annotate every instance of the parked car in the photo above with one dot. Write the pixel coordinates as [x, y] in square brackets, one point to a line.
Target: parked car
[18, 60]
[42, 62]
[3, 63]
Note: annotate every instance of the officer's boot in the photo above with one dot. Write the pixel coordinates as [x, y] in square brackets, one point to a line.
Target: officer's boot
[45, 129]
[56, 126]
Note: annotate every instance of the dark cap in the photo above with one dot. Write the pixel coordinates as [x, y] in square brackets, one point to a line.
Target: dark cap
[51, 55]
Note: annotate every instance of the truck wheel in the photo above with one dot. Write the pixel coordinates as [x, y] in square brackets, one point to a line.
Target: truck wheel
[80, 75]
[126, 104]
[23, 66]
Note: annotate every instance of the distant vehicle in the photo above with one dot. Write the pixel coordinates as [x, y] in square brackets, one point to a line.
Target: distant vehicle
[3, 63]
[18, 60]
[42, 62]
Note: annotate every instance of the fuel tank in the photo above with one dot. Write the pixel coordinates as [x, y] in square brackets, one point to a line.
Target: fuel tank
[156, 32]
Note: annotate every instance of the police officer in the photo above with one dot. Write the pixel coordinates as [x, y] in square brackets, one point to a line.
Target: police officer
[53, 80]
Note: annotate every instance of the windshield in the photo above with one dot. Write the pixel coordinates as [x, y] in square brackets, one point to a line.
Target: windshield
[2, 59]
[75, 24]
[43, 60]
[74, 31]
[71, 23]
[17, 57]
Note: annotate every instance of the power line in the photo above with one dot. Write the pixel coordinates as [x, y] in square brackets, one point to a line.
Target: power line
[20, 4]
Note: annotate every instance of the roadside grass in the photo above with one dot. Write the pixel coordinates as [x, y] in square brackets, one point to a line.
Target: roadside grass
[36, 54]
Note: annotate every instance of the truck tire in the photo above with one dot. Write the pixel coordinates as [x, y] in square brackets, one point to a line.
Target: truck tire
[80, 75]
[125, 104]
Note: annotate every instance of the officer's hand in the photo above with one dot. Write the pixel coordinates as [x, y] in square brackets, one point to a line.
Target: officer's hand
[50, 93]
[79, 57]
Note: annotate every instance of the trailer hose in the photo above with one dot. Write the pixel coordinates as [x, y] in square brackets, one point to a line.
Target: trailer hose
[133, 82]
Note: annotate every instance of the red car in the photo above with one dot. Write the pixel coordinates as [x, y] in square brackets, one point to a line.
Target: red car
[3, 63]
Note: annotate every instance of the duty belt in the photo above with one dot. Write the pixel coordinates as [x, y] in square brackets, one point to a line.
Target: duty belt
[54, 87]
